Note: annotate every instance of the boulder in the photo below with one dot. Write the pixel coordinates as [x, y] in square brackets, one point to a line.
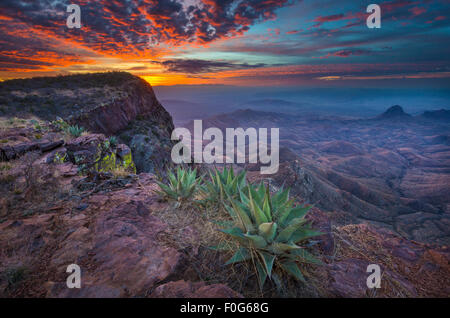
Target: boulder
[120, 254]
[8, 152]
[93, 151]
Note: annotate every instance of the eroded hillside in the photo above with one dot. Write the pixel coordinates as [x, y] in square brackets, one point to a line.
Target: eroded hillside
[74, 196]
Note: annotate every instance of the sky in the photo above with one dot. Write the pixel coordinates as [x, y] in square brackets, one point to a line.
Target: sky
[310, 43]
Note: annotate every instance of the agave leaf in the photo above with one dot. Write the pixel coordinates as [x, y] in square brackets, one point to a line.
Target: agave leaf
[242, 215]
[183, 178]
[307, 257]
[285, 210]
[281, 248]
[253, 193]
[223, 223]
[304, 234]
[172, 180]
[229, 175]
[281, 197]
[292, 268]
[191, 177]
[261, 191]
[268, 231]
[266, 205]
[179, 173]
[167, 191]
[236, 233]
[268, 260]
[219, 183]
[163, 186]
[211, 177]
[244, 198]
[231, 212]
[262, 275]
[297, 212]
[258, 214]
[256, 240]
[241, 179]
[287, 232]
[235, 217]
[233, 185]
[242, 254]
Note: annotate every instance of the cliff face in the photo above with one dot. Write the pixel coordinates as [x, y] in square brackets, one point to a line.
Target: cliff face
[113, 103]
[138, 102]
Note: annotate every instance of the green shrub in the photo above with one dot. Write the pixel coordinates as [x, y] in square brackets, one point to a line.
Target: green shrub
[182, 186]
[113, 141]
[223, 185]
[268, 230]
[60, 124]
[5, 167]
[75, 131]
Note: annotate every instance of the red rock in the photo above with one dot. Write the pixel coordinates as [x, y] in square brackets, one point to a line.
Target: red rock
[125, 247]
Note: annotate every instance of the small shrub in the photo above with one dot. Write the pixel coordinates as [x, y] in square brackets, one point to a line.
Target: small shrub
[181, 187]
[60, 124]
[75, 131]
[5, 167]
[120, 172]
[268, 230]
[113, 141]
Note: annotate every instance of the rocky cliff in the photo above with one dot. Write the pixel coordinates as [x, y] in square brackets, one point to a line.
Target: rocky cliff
[112, 103]
[68, 199]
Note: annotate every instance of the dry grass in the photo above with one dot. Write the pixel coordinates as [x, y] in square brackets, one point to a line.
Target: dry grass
[120, 172]
[352, 242]
[194, 229]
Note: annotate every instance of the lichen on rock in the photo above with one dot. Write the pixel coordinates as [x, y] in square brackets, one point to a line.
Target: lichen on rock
[92, 152]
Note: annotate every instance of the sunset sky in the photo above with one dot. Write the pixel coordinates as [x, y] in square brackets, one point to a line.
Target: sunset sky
[247, 43]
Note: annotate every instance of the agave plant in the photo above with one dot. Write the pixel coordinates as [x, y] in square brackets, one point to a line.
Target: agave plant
[75, 131]
[270, 230]
[223, 185]
[181, 186]
[113, 141]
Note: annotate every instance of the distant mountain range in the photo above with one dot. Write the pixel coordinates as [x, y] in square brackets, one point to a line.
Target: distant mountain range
[392, 169]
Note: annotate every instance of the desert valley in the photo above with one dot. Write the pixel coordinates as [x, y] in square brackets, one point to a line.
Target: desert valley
[83, 158]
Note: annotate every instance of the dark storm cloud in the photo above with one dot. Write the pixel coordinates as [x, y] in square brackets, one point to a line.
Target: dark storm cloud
[194, 66]
[134, 26]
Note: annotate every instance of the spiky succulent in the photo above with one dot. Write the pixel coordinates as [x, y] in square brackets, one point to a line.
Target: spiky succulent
[113, 141]
[181, 186]
[268, 229]
[75, 131]
[223, 185]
